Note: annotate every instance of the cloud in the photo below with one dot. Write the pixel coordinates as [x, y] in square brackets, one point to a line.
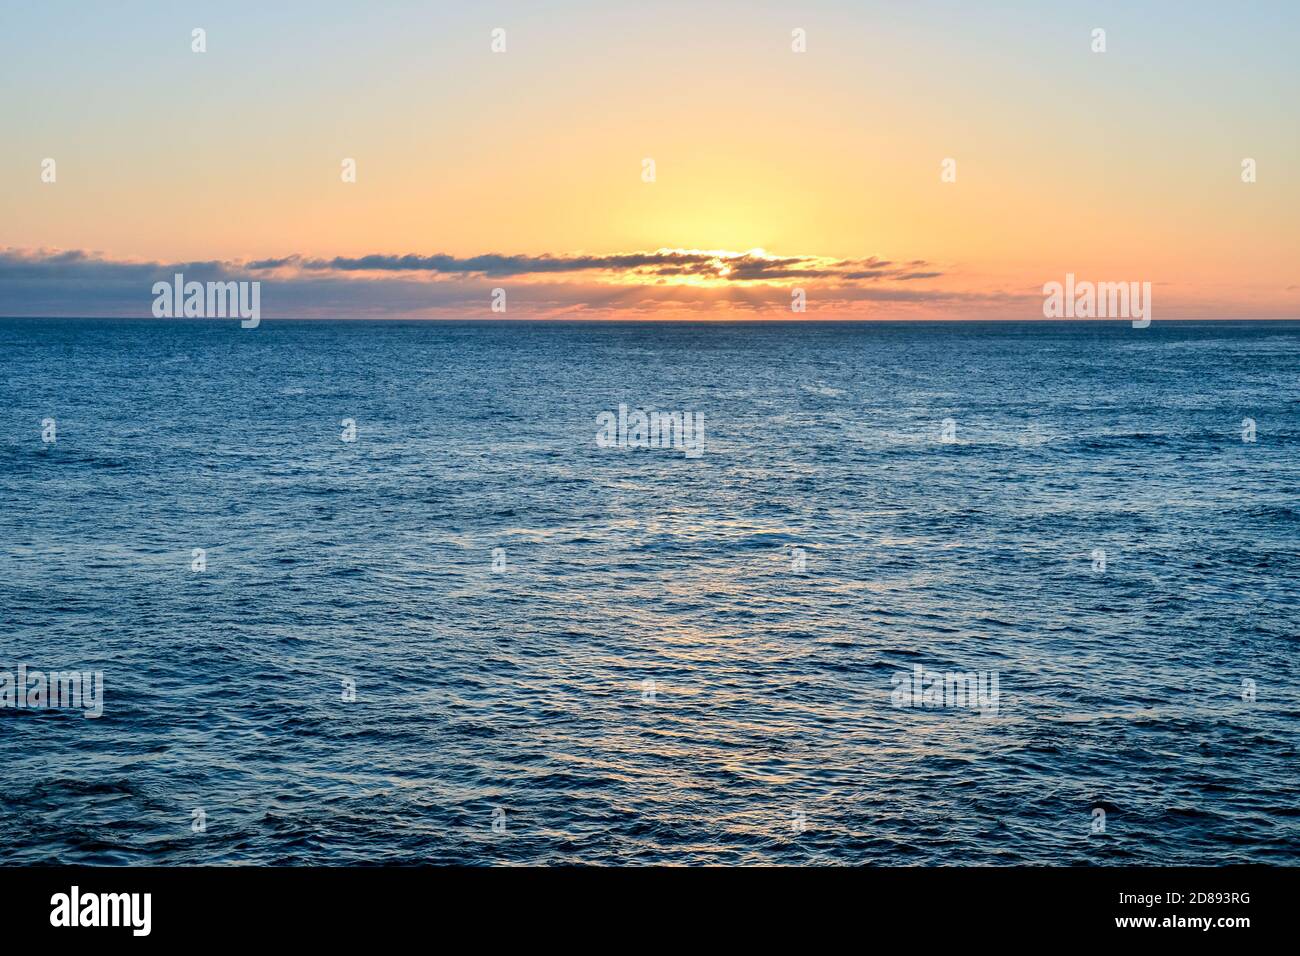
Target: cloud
[662, 283]
[721, 265]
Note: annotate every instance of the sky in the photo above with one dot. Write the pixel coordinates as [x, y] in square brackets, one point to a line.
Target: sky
[773, 170]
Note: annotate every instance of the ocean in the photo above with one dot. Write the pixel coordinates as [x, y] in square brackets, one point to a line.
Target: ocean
[387, 592]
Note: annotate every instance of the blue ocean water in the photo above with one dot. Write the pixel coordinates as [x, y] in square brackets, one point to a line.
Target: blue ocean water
[650, 678]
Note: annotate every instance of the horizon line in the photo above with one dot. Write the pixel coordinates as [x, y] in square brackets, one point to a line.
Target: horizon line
[644, 320]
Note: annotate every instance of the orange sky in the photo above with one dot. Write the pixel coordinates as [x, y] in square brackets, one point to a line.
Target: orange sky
[1122, 165]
